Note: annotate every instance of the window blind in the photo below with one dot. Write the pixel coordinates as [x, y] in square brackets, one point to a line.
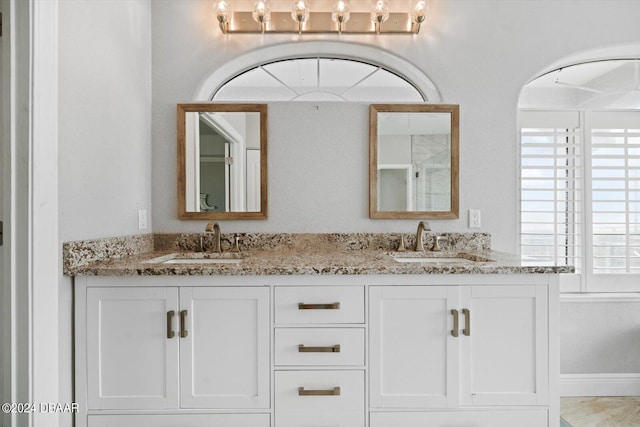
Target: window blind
[615, 192]
[551, 181]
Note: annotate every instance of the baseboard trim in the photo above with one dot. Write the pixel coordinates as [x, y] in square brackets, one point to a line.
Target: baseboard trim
[576, 385]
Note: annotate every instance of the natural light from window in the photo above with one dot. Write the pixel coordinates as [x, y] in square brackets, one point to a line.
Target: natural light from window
[580, 172]
[318, 79]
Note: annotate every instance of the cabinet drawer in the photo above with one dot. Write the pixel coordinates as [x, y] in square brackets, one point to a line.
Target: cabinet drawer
[307, 398]
[320, 346]
[319, 304]
[186, 420]
[533, 418]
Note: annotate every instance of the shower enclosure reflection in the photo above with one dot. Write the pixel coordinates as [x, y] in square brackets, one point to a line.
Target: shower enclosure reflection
[414, 161]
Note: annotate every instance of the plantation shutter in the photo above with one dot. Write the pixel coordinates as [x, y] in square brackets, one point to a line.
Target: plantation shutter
[615, 192]
[551, 218]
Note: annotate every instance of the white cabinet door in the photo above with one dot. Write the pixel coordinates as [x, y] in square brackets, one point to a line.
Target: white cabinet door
[131, 361]
[224, 357]
[504, 356]
[413, 355]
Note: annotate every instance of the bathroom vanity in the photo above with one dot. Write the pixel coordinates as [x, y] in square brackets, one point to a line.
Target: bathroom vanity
[340, 338]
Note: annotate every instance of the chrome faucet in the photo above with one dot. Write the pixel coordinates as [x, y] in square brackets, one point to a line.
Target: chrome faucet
[214, 228]
[422, 227]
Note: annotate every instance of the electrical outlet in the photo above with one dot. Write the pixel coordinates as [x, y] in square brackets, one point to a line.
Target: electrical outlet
[142, 219]
[474, 218]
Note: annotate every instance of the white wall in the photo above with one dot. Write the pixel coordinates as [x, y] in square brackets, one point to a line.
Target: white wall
[105, 129]
[104, 132]
[478, 53]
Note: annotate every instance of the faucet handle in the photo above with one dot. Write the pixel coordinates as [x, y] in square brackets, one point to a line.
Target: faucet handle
[436, 242]
[236, 247]
[401, 247]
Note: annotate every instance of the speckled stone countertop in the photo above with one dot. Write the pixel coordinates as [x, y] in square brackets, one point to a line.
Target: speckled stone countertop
[292, 254]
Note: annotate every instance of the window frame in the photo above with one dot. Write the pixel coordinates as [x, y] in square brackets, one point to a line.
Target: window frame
[585, 280]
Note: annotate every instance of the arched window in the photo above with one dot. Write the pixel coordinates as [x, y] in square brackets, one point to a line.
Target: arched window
[580, 172]
[318, 79]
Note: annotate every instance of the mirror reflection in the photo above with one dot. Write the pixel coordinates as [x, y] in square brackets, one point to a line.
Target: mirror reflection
[222, 161]
[414, 161]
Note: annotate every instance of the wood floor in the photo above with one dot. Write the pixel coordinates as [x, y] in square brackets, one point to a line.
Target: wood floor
[601, 411]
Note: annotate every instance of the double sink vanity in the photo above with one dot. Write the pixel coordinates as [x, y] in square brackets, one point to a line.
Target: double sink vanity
[321, 330]
[313, 330]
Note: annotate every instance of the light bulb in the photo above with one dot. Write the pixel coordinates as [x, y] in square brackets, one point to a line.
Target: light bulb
[379, 12]
[261, 12]
[419, 11]
[223, 13]
[300, 10]
[340, 13]
[223, 10]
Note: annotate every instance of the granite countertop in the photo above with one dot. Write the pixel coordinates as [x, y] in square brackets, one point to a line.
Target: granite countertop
[305, 261]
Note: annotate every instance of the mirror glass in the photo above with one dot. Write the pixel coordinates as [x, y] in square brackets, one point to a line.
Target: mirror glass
[413, 170]
[222, 161]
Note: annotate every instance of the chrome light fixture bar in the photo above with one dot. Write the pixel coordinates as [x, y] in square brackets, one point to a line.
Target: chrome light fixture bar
[302, 20]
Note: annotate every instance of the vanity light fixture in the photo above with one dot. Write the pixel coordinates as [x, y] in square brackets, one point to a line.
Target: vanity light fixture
[303, 20]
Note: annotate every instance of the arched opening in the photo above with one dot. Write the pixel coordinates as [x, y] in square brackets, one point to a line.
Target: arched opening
[580, 171]
[318, 79]
[289, 72]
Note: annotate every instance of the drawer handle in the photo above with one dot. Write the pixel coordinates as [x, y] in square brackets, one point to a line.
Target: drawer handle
[454, 331]
[170, 332]
[331, 392]
[303, 306]
[183, 324]
[329, 349]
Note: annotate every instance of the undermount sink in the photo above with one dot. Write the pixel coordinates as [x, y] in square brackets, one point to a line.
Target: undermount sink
[438, 258]
[203, 261]
[432, 259]
[198, 258]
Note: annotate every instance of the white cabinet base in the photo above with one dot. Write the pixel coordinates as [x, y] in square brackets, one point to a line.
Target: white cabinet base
[175, 420]
[511, 418]
[415, 351]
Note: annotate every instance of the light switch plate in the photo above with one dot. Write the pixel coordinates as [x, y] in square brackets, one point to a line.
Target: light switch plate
[474, 218]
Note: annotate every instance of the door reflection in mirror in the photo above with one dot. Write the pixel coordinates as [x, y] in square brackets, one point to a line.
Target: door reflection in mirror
[222, 160]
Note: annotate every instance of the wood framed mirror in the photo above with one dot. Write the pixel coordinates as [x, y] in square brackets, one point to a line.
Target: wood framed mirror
[413, 161]
[222, 161]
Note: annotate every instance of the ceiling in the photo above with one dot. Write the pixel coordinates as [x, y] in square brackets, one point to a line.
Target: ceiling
[610, 84]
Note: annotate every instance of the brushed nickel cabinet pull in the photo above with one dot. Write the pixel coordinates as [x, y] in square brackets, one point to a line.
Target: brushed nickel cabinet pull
[467, 322]
[328, 349]
[170, 332]
[183, 324]
[303, 306]
[454, 331]
[331, 392]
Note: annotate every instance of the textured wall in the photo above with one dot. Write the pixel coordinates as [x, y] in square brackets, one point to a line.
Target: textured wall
[479, 55]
